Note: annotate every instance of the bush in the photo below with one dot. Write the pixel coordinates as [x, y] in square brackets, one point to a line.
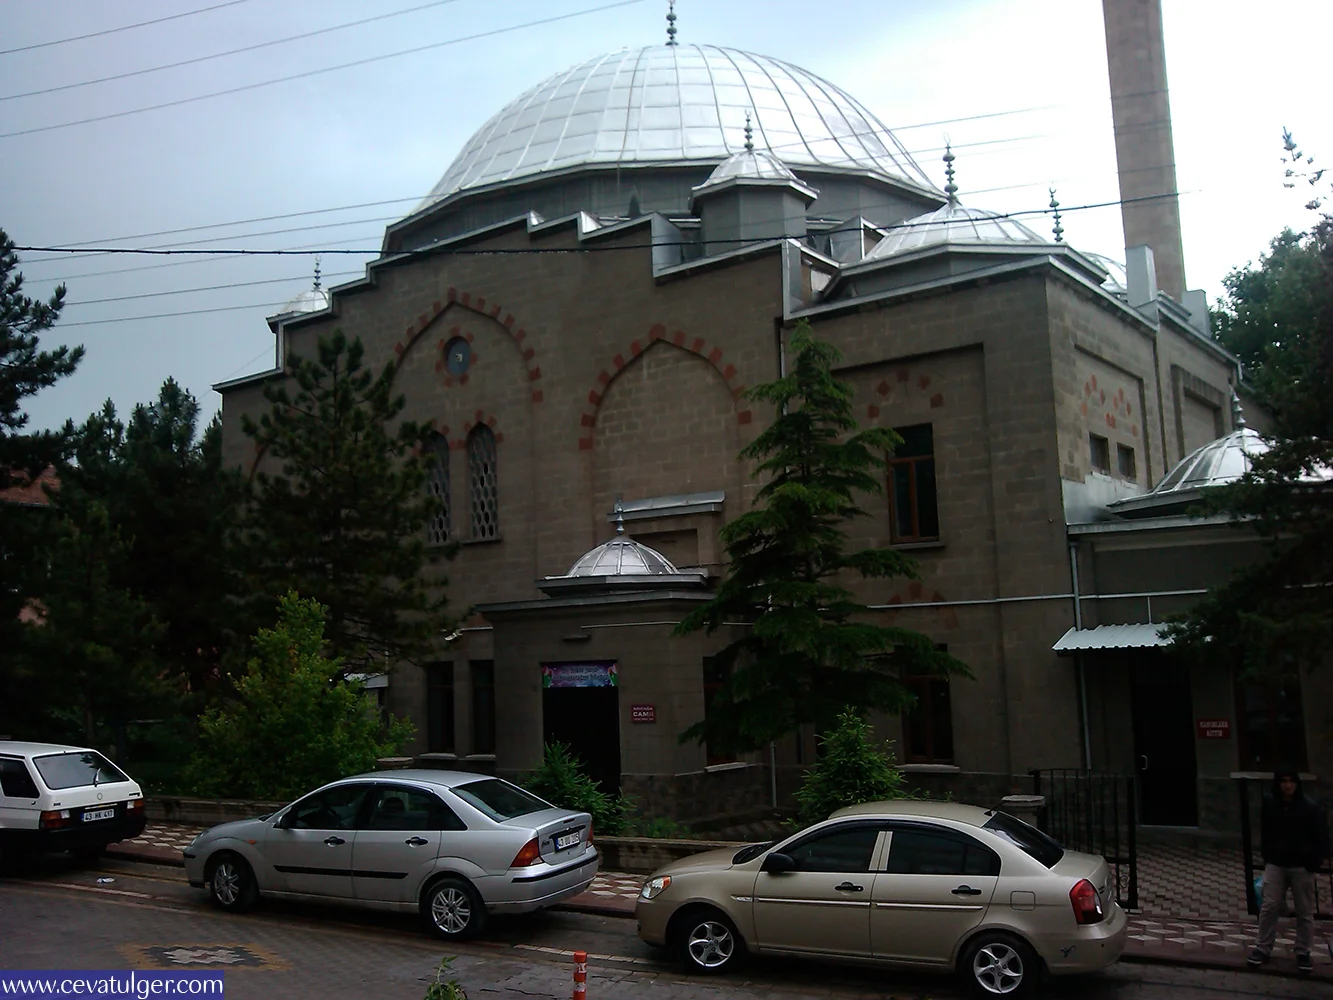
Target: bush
[562, 780]
[297, 723]
[850, 770]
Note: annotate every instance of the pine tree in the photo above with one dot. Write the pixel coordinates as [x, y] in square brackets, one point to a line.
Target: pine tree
[811, 649]
[338, 513]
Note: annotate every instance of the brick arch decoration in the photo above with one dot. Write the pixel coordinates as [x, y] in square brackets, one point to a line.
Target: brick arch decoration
[903, 382]
[458, 442]
[694, 345]
[479, 305]
[1116, 408]
[917, 594]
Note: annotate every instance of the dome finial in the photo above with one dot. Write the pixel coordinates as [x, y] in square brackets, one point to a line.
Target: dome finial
[749, 134]
[1057, 229]
[620, 517]
[1237, 412]
[671, 22]
[950, 188]
[317, 273]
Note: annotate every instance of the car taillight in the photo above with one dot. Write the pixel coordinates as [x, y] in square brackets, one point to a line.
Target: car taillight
[590, 831]
[54, 819]
[529, 854]
[134, 804]
[1087, 904]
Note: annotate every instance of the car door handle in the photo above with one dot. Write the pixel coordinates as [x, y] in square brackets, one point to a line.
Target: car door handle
[334, 841]
[848, 887]
[416, 842]
[965, 890]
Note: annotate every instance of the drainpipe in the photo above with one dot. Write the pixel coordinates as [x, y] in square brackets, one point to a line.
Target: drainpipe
[1078, 661]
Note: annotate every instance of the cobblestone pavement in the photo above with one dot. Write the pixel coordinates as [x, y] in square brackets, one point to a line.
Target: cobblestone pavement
[63, 916]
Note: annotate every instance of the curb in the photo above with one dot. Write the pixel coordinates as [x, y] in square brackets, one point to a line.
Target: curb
[145, 856]
[1270, 971]
[598, 909]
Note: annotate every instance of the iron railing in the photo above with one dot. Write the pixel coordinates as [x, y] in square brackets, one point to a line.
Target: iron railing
[1096, 813]
[1249, 806]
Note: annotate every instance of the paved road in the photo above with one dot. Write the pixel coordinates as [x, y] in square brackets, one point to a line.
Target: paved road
[147, 917]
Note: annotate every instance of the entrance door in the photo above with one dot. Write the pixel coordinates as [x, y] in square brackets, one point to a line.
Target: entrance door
[585, 717]
[1164, 741]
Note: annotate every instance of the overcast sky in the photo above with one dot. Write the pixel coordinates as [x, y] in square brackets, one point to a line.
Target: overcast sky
[385, 132]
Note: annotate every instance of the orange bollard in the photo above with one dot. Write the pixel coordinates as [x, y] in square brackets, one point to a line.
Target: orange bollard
[580, 975]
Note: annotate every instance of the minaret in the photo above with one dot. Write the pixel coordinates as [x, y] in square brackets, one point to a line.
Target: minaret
[1144, 151]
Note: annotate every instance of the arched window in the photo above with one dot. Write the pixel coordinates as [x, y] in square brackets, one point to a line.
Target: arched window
[482, 489]
[437, 485]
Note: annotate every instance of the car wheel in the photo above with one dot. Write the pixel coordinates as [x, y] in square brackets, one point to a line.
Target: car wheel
[1000, 965]
[231, 883]
[453, 910]
[707, 942]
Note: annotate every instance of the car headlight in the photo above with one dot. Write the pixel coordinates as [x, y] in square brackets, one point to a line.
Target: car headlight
[655, 886]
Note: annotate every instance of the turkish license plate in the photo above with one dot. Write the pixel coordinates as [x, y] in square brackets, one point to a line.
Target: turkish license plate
[93, 815]
[568, 840]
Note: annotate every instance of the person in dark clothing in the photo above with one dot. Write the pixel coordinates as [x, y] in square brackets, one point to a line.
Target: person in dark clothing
[1294, 841]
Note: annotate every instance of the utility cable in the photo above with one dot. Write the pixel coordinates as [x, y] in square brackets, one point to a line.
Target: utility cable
[207, 288]
[326, 69]
[123, 27]
[229, 52]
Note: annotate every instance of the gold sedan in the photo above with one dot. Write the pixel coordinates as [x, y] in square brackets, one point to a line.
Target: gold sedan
[922, 885]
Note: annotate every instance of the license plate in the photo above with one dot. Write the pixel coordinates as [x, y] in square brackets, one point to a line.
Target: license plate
[93, 815]
[568, 840]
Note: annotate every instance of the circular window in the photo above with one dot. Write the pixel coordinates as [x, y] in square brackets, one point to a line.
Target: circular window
[457, 356]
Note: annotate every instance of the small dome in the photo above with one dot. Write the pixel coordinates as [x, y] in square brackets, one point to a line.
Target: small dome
[311, 300]
[954, 225]
[1215, 464]
[1117, 280]
[622, 556]
[755, 164]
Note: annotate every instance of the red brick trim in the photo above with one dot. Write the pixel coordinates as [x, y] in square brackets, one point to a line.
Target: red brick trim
[618, 363]
[479, 305]
[903, 378]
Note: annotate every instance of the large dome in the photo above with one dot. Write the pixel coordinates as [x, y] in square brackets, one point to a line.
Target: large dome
[667, 104]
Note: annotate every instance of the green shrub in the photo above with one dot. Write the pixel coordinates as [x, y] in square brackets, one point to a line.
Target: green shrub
[297, 722]
[562, 780]
[850, 770]
[660, 828]
[443, 989]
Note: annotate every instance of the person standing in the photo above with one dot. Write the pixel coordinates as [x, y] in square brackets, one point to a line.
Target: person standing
[1294, 842]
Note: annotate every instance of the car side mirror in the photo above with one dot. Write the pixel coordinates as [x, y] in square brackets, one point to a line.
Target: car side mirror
[776, 864]
[284, 821]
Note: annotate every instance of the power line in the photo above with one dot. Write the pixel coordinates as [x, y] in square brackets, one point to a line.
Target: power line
[327, 69]
[124, 27]
[529, 251]
[229, 52]
[206, 288]
[169, 315]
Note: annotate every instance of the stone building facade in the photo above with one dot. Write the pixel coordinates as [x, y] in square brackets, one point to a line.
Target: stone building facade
[578, 310]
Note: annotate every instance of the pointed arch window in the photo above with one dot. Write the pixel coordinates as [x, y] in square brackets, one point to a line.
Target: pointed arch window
[482, 482]
[439, 527]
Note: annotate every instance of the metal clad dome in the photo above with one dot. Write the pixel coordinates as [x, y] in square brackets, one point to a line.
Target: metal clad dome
[954, 225]
[749, 163]
[622, 556]
[1216, 463]
[664, 104]
[311, 300]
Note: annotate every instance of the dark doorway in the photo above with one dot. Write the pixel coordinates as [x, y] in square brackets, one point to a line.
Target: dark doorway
[588, 720]
[1164, 741]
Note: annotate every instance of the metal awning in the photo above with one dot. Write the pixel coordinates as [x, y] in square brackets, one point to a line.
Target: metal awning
[1111, 637]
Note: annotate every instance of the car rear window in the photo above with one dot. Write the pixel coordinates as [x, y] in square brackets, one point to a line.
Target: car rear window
[15, 781]
[499, 799]
[1027, 839]
[76, 769]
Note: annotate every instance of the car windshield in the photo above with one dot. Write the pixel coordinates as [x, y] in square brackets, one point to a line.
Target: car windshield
[750, 852]
[75, 769]
[1027, 839]
[499, 799]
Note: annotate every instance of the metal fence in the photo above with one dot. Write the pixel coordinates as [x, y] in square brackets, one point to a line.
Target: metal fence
[1094, 812]
[1251, 800]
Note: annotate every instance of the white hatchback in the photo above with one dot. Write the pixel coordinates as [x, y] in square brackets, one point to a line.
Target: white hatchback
[61, 798]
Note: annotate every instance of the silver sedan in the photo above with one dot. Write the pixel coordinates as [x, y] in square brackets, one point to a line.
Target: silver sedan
[452, 845]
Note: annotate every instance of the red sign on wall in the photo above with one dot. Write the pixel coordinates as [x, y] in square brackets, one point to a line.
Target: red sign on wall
[1214, 729]
[643, 713]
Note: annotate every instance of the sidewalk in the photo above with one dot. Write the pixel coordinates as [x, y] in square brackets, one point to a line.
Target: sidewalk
[1192, 903]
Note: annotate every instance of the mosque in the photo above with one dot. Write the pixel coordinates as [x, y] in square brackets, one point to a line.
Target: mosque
[578, 308]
